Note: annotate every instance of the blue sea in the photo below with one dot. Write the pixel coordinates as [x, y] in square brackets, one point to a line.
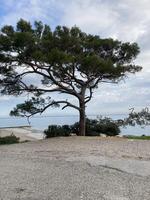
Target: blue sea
[42, 122]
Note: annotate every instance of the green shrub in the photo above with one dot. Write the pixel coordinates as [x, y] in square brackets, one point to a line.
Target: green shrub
[93, 128]
[57, 131]
[9, 139]
[75, 128]
[110, 129]
[135, 137]
[96, 127]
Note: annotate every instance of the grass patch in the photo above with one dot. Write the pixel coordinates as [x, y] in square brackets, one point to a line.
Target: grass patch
[11, 139]
[143, 137]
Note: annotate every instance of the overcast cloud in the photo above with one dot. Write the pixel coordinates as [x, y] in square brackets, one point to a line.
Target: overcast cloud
[127, 20]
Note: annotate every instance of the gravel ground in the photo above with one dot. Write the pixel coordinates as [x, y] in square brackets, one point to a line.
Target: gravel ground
[76, 168]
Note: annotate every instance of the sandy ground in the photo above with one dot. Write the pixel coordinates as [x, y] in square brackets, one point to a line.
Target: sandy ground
[24, 133]
[76, 168]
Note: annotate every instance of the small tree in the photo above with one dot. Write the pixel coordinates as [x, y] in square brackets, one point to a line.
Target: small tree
[65, 60]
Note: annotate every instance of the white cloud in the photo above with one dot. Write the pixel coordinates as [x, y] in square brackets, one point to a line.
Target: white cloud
[91, 16]
[26, 9]
[4, 98]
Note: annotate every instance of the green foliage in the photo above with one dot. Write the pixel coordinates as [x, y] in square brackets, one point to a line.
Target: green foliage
[8, 30]
[141, 118]
[57, 131]
[23, 26]
[65, 51]
[65, 60]
[9, 139]
[96, 127]
[133, 137]
[32, 106]
[93, 128]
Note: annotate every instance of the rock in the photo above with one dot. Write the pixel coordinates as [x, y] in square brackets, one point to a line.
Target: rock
[73, 134]
[103, 135]
[120, 136]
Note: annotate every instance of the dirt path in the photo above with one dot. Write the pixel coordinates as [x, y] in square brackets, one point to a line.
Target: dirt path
[76, 168]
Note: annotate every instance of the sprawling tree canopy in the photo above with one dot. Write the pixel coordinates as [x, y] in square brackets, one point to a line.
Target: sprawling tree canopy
[65, 60]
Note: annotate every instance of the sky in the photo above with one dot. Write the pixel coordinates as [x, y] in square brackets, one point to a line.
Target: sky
[125, 20]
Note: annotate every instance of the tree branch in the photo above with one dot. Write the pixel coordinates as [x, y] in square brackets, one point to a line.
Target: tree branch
[90, 96]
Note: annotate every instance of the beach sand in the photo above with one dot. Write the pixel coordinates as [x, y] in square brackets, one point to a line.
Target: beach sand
[24, 133]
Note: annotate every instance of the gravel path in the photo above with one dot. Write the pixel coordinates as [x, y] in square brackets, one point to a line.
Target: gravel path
[76, 168]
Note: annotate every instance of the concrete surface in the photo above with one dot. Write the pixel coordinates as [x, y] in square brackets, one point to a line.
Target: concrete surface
[24, 133]
[76, 168]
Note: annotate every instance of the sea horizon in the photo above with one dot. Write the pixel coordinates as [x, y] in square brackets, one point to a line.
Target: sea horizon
[41, 123]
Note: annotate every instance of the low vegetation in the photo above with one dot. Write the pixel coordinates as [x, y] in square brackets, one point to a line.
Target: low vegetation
[93, 128]
[142, 137]
[57, 131]
[11, 139]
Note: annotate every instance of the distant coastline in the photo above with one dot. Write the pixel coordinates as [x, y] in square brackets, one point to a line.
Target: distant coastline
[39, 124]
[5, 127]
[23, 132]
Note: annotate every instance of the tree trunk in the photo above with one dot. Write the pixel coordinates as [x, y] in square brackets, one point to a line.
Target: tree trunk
[82, 119]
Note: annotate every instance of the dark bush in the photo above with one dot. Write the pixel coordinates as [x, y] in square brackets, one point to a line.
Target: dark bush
[75, 128]
[57, 131]
[110, 129]
[93, 128]
[9, 139]
[96, 127]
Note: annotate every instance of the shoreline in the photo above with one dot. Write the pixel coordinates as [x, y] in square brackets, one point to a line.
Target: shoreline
[6, 127]
[23, 132]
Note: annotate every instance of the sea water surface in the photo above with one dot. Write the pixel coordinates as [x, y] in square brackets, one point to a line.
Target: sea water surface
[40, 123]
